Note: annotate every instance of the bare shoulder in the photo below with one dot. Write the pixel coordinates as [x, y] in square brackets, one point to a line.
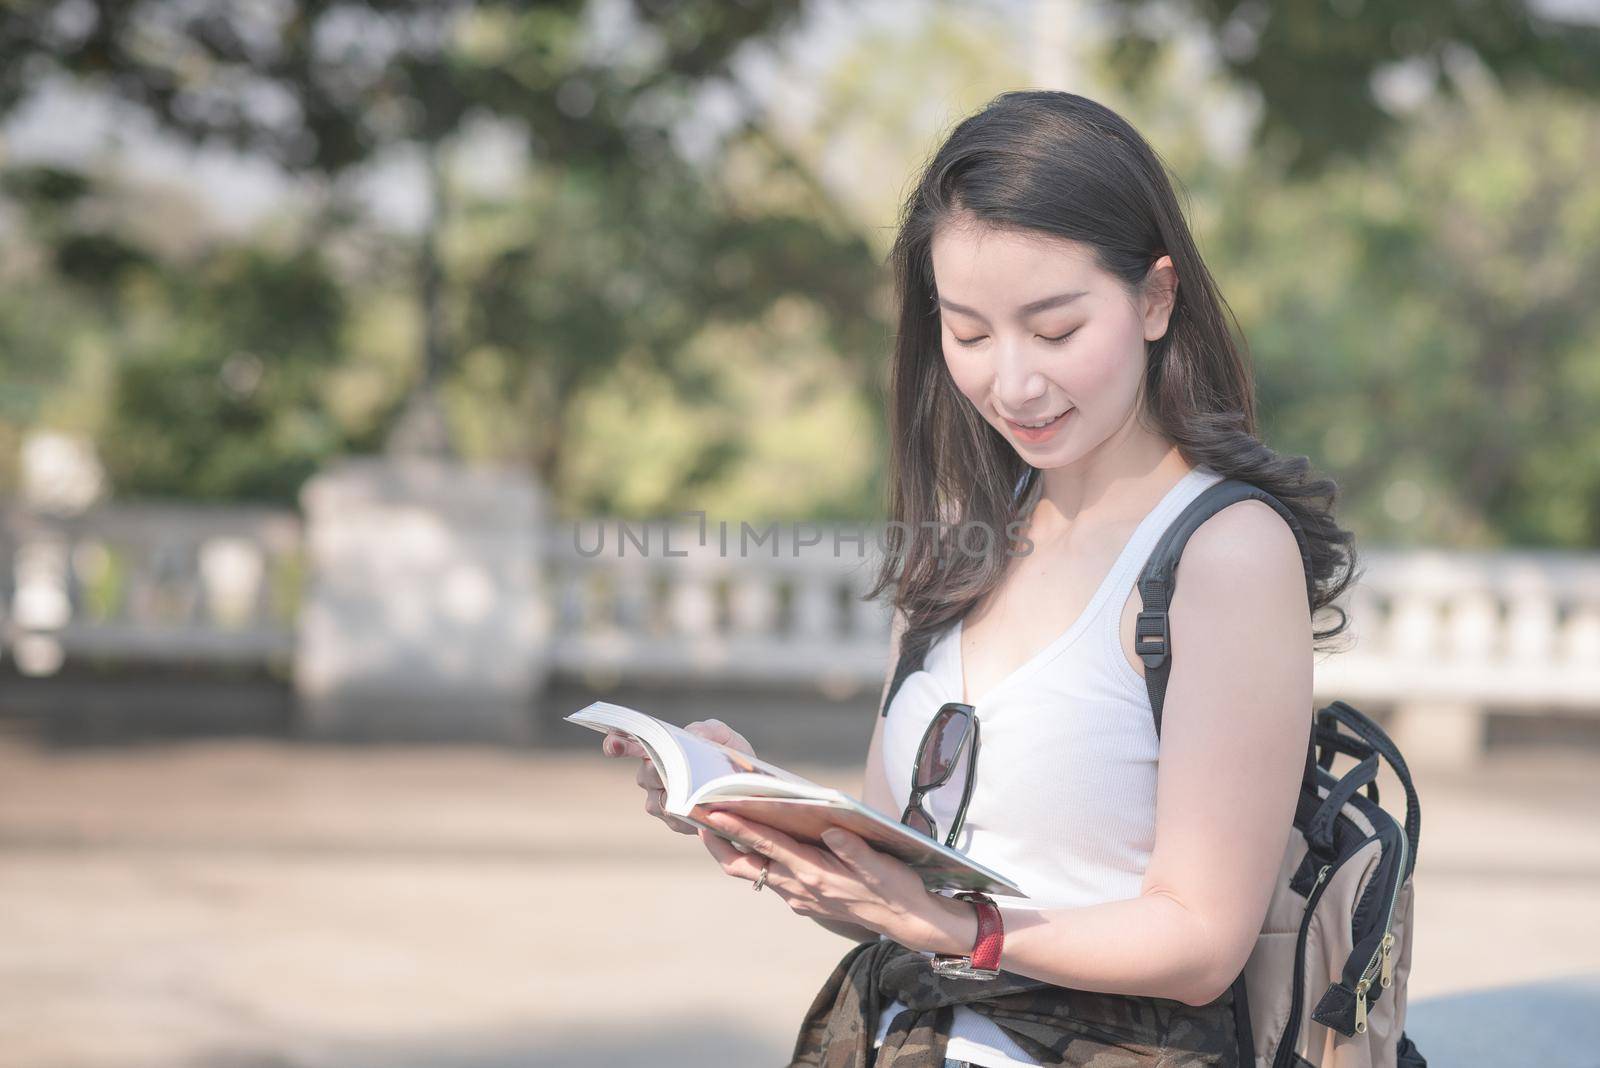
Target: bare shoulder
[1251, 532]
[1241, 628]
[1244, 553]
[1242, 561]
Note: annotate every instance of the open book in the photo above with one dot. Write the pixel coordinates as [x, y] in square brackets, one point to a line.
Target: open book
[702, 777]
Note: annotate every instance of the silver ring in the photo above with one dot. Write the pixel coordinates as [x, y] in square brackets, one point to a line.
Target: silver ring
[761, 880]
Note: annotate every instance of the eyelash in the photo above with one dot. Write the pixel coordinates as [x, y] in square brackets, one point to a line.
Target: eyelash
[970, 341]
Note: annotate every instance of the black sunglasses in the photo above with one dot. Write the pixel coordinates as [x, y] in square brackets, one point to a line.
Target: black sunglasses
[953, 726]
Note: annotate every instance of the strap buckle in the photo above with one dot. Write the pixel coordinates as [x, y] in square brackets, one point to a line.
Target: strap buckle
[1156, 622]
[960, 968]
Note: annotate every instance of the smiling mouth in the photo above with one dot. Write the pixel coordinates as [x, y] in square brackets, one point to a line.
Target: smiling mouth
[1039, 425]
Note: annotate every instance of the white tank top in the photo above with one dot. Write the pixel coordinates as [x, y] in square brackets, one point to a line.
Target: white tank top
[1065, 794]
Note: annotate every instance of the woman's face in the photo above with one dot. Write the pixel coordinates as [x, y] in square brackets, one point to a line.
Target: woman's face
[1033, 332]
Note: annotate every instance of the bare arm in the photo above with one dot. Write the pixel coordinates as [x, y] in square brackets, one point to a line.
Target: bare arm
[1233, 741]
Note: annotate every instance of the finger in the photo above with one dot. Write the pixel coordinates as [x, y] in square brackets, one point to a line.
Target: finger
[712, 730]
[720, 847]
[653, 802]
[768, 841]
[854, 852]
[648, 777]
[619, 745]
[742, 865]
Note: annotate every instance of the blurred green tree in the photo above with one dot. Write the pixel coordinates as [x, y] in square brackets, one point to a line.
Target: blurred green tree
[1317, 68]
[219, 393]
[322, 88]
[1424, 322]
[713, 309]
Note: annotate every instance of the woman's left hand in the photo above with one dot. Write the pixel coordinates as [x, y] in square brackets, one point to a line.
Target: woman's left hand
[848, 881]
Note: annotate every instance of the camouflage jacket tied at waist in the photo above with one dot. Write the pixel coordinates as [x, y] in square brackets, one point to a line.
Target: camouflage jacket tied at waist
[1057, 1026]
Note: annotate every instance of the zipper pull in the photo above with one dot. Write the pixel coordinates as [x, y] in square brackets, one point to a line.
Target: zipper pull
[1388, 961]
[1361, 1006]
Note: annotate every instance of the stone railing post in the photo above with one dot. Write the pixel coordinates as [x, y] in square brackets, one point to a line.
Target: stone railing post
[423, 617]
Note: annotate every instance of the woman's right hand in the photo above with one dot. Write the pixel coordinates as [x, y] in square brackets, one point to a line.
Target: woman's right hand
[655, 792]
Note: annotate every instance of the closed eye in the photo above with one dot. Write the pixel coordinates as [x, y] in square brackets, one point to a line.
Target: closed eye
[970, 341]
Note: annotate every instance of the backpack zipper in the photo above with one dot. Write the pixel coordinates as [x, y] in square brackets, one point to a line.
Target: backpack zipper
[1381, 955]
[1290, 1040]
[1291, 1034]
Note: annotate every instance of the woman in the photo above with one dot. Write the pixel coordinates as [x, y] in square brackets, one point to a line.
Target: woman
[1063, 364]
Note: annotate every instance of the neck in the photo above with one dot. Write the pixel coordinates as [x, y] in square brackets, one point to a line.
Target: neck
[1118, 479]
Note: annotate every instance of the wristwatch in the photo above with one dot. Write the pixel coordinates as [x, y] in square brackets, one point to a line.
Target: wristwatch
[984, 960]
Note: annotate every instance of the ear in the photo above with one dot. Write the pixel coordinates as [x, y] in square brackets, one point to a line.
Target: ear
[1160, 295]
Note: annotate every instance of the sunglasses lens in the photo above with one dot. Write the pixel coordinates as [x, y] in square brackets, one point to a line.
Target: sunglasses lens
[919, 822]
[938, 756]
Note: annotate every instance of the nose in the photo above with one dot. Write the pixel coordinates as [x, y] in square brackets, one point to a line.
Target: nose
[1018, 381]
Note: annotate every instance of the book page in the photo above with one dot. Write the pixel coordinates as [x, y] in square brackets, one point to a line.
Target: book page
[659, 739]
[718, 760]
[686, 762]
[708, 760]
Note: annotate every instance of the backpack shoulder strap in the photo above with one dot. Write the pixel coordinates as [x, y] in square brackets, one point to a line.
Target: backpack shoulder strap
[914, 652]
[1152, 639]
[913, 658]
[904, 667]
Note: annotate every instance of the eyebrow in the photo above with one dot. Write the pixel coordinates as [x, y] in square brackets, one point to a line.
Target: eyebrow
[1027, 309]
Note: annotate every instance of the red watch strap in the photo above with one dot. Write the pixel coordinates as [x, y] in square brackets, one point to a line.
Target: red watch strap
[991, 933]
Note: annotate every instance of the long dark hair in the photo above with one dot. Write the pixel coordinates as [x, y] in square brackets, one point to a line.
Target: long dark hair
[1063, 165]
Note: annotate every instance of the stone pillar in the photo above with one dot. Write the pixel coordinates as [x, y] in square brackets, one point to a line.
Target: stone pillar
[423, 616]
[1440, 734]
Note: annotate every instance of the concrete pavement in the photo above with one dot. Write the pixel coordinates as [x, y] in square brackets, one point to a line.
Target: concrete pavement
[245, 904]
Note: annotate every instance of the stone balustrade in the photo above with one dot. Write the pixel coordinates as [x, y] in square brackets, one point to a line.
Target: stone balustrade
[152, 583]
[780, 611]
[1441, 638]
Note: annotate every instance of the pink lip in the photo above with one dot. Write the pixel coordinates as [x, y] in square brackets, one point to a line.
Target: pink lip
[1034, 436]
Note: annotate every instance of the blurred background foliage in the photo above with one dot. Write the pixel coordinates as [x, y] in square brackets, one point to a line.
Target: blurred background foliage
[647, 256]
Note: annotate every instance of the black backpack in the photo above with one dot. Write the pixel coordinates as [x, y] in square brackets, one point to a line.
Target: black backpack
[1348, 863]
